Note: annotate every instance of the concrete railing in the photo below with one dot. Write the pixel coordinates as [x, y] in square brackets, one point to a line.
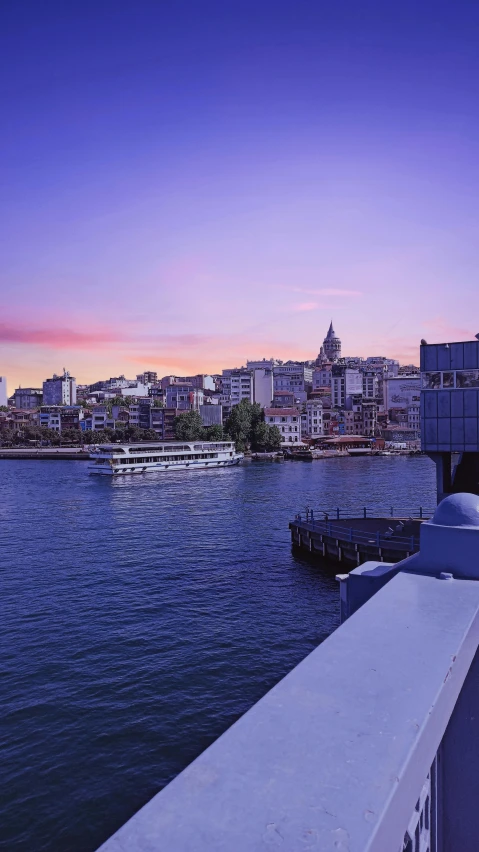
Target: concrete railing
[370, 744]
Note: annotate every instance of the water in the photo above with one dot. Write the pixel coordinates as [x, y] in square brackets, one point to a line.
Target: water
[141, 617]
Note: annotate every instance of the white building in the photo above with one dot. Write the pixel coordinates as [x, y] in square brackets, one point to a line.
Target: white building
[288, 421]
[314, 418]
[60, 390]
[3, 391]
[133, 389]
[345, 383]
[263, 386]
[50, 418]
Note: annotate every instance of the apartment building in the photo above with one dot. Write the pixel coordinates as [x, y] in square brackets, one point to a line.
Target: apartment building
[288, 421]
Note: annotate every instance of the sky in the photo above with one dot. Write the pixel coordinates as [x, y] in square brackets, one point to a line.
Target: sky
[186, 185]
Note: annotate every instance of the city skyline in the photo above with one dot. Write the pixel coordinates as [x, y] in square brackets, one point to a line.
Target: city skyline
[186, 188]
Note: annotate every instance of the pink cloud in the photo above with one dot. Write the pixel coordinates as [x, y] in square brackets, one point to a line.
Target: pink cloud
[327, 291]
[440, 326]
[57, 338]
[305, 306]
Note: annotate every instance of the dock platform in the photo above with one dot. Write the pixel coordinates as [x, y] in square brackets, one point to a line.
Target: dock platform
[379, 535]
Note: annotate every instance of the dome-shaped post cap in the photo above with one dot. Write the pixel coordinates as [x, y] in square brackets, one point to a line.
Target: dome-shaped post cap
[457, 510]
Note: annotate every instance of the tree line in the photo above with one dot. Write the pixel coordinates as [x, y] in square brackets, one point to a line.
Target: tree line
[245, 426]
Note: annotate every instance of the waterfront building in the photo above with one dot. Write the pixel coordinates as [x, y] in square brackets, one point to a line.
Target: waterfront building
[17, 419]
[346, 382]
[3, 391]
[283, 399]
[353, 417]
[236, 385]
[414, 416]
[313, 418]
[370, 384]
[28, 398]
[60, 390]
[70, 416]
[101, 418]
[262, 386]
[370, 412]
[450, 413]
[288, 421]
[295, 378]
[184, 397]
[162, 421]
[49, 417]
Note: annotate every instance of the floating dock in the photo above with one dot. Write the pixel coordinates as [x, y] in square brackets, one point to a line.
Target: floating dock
[379, 535]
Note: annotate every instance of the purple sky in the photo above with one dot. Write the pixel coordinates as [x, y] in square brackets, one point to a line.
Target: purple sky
[187, 185]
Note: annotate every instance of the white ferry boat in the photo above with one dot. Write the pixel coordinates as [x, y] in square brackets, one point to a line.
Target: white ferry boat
[115, 459]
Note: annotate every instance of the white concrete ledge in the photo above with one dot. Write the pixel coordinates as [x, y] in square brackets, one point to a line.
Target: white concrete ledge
[335, 756]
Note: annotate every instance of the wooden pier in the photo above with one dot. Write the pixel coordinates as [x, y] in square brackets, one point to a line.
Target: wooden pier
[385, 537]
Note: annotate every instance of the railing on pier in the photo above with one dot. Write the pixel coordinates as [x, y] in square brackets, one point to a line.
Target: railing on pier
[397, 512]
[410, 544]
[369, 744]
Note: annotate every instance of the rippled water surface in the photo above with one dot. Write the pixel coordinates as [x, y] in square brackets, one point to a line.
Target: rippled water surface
[141, 617]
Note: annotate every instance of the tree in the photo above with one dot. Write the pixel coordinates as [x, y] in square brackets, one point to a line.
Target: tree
[189, 426]
[72, 434]
[158, 403]
[214, 433]
[266, 438]
[4, 408]
[133, 433]
[149, 435]
[243, 421]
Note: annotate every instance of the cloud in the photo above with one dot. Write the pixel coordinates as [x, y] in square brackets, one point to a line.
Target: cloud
[446, 330]
[326, 291]
[57, 338]
[305, 306]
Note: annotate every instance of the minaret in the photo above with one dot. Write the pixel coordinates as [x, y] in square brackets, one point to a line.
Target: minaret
[332, 345]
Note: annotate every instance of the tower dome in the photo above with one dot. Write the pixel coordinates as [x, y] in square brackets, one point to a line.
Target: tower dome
[332, 345]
